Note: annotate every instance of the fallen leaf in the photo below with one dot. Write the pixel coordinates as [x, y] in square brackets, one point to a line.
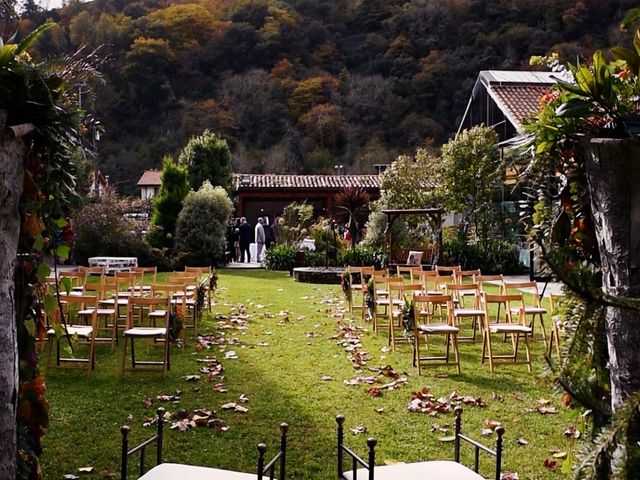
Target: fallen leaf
[379, 410]
[517, 396]
[229, 406]
[509, 476]
[192, 378]
[358, 430]
[146, 401]
[486, 432]
[231, 354]
[375, 391]
[241, 409]
[326, 378]
[85, 469]
[70, 476]
[442, 375]
[243, 398]
[522, 441]
[571, 432]
[550, 464]
[497, 396]
[448, 439]
[560, 455]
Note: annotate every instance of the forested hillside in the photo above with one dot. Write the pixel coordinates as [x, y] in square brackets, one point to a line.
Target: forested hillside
[301, 85]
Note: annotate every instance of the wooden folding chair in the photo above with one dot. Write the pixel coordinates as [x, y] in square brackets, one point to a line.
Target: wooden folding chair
[410, 271]
[555, 302]
[429, 281]
[106, 316]
[465, 276]
[483, 280]
[382, 300]
[474, 311]
[516, 328]
[76, 309]
[398, 293]
[533, 308]
[143, 316]
[432, 315]
[355, 284]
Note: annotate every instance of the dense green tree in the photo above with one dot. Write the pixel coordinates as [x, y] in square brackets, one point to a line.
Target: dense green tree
[470, 171]
[201, 226]
[168, 203]
[207, 158]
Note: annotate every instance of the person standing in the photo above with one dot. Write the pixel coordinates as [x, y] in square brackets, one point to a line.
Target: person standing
[230, 251]
[278, 230]
[236, 239]
[259, 238]
[268, 234]
[246, 236]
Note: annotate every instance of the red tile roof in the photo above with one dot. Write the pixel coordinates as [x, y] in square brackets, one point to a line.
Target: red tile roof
[274, 181]
[518, 101]
[150, 178]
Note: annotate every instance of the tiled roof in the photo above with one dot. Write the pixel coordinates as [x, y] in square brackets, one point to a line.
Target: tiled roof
[150, 178]
[274, 181]
[518, 102]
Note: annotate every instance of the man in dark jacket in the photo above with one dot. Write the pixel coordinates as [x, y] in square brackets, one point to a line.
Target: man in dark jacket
[246, 237]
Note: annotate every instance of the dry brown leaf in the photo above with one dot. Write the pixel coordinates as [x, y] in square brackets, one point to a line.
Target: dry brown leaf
[358, 430]
[522, 441]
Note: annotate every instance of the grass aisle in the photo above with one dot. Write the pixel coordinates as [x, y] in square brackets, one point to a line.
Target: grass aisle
[282, 358]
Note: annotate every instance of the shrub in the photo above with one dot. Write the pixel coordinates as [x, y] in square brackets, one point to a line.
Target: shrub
[101, 230]
[201, 226]
[492, 257]
[280, 257]
[358, 257]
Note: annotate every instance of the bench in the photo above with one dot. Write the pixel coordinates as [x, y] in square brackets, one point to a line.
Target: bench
[428, 470]
[173, 471]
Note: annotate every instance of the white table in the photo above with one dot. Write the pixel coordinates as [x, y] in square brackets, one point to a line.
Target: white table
[174, 471]
[114, 264]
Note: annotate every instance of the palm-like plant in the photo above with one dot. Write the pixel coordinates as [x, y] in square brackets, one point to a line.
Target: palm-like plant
[352, 203]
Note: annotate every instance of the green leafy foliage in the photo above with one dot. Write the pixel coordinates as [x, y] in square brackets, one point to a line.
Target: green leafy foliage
[490, 257]
[101, 230]
[201, 225]
[168, 203]
[207, 158]
[280, 257]
[470, 173]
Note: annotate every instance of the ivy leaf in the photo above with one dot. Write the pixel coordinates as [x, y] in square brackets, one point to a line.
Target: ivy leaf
[50, 303]
[63, 251]
[43, 271]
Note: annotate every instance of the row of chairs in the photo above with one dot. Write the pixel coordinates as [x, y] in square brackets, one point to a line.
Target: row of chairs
[440, 302]
[97, 310]
[358, 468]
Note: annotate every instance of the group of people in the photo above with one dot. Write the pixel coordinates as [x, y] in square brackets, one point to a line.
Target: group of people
[241, 234]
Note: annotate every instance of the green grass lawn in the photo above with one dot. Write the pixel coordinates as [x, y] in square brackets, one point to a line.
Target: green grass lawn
[283, 356]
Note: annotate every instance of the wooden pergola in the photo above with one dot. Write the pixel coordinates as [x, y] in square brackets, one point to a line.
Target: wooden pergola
[434, 213]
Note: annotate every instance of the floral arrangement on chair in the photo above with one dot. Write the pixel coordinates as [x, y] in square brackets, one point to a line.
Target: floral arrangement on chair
[408, 318]
[369, 297]
[345, 281]
[176, 323]
[213, 280]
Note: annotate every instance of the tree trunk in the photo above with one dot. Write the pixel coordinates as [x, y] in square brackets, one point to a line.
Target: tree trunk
[613, 172]
[11, 178]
